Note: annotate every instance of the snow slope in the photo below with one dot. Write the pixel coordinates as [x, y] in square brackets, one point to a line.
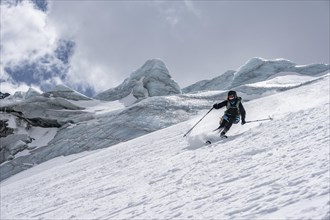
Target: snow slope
[272, 170]
[90, 125]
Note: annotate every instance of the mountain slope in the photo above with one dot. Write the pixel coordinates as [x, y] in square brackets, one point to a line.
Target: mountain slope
[100, 125]
[272, 170]
[93, 124]
[76, 123]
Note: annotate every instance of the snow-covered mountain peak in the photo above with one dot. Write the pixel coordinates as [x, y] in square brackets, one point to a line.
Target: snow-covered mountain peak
[257, 62]
[152, 66]
[31, 93]
[256, 70]
[66, 92]
[62, 88]
[259, 69]
[151, 79]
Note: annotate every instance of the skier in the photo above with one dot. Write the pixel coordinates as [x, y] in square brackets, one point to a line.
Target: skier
[232, 115]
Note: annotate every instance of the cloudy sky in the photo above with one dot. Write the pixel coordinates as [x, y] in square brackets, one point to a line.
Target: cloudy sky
[196, 39]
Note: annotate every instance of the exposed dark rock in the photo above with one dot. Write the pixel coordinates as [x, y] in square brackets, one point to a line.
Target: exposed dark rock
[38, 121]
[4, 95]
[4, 129]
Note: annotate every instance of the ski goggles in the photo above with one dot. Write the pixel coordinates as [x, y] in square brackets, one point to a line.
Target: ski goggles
[231, 97]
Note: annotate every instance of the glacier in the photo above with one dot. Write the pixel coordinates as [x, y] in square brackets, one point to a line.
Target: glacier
[127, 158]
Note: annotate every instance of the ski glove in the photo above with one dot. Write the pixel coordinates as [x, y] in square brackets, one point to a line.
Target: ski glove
[215, 106]
[243, 122]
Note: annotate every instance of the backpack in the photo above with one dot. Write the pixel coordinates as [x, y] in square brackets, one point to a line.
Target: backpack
[232, 108]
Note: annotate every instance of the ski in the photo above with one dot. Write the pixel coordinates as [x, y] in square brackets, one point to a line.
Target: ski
[222, 137]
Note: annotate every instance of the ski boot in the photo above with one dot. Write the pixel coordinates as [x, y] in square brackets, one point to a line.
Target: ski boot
[223, 134]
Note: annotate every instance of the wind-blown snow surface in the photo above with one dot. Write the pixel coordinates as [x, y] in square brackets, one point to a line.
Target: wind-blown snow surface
[277, 169]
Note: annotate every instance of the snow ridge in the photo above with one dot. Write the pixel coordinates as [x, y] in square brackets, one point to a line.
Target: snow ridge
[256, 70]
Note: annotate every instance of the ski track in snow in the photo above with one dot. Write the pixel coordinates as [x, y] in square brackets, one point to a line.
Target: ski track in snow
[270, 170]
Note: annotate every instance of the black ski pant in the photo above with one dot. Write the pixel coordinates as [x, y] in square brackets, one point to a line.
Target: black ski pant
[227, 121]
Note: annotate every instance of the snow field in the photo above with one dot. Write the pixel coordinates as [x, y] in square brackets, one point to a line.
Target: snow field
[271, 170]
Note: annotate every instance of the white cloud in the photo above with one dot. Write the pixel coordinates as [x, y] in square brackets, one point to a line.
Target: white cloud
[25, 33]
[171, 17]
[191, 8]
[86, 73]
[176, 11]
[199, 38]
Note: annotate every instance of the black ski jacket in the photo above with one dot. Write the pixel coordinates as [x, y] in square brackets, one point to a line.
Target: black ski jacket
[232, 110]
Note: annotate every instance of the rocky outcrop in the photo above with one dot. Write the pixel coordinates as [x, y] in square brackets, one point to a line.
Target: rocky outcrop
[4, 129]
[4, 95]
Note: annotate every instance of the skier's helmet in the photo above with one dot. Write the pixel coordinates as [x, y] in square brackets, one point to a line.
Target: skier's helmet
[232, 95]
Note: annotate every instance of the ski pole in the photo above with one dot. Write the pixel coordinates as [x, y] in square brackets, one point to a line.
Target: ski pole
[266, 119]
[198, 122]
